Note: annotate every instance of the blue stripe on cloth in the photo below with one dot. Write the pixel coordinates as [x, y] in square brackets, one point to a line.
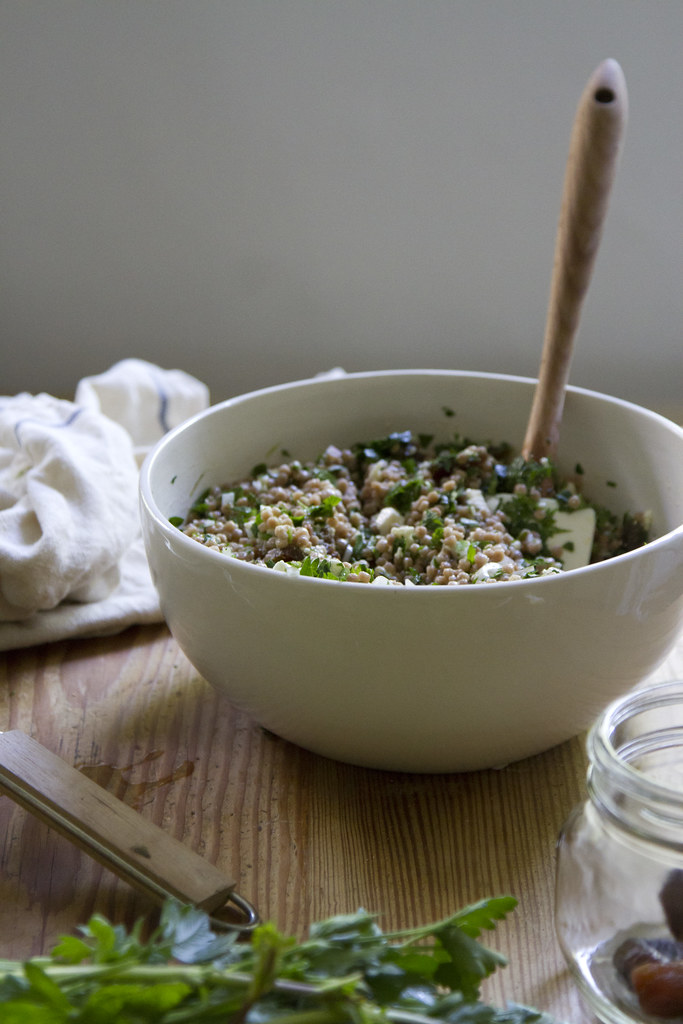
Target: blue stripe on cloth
[163, 402]
[32, 419]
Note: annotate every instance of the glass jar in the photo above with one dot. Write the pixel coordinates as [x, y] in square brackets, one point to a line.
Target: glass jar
[619, 890]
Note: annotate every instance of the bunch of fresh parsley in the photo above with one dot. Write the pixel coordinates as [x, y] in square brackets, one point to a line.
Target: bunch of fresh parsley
[347, 970]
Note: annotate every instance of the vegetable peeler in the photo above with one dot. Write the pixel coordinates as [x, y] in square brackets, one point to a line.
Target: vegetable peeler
[115, 835]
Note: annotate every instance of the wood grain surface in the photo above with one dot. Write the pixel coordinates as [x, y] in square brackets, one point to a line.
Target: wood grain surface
[305, 837]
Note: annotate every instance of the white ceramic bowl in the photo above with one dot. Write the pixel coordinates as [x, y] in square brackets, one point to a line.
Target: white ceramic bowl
[425, 679]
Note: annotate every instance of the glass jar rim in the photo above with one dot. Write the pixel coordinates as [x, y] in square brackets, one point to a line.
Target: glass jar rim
[606, 756]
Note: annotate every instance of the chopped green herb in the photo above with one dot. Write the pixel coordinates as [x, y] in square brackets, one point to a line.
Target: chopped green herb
[240, 514]
[259, 469]
[200, 506]
[520, 514]
[434, 523]
[445, 461]
[320, 567]
[326, 473]
[634, 531]
[398, 446]
[537, 567]
[528, 472]
[176, 520]
[331, 569]
[470, 523]
[402, 495]
[562, 497]
[326, 507]
[364, 541]
[254, 522]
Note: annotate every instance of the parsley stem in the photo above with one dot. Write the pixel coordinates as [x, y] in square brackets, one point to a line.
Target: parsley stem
[192, 974]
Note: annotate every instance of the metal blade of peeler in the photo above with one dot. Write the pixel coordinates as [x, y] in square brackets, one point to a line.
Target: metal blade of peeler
[113, 833]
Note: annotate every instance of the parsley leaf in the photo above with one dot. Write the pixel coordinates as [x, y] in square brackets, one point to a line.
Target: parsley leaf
[347, 969]
[528, 472]
[199, 507]
[435, 524]
[326, 507]
[520, 514]
[402, 495]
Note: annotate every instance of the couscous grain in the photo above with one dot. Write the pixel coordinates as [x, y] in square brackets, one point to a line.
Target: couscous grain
[403, 511]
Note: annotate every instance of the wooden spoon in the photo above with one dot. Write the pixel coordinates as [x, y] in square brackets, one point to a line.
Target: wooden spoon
[596, 139]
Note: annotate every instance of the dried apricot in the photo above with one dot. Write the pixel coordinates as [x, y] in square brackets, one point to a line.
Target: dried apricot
[659, 988]
[636, 951]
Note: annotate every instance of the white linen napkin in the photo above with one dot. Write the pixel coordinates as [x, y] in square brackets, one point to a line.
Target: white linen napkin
[72, 561]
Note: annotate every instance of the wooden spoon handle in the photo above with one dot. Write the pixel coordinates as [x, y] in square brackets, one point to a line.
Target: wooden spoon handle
[594, 150]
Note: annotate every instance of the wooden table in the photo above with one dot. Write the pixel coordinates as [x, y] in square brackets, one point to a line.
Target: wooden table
[305, 836]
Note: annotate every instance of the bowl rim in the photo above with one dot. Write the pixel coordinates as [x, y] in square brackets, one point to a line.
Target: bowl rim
[333, 376]
[148, 501]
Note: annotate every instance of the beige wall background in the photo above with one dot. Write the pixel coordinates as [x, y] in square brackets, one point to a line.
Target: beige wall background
[257, 190]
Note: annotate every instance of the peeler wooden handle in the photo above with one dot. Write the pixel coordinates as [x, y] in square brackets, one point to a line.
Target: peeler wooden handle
[112, 832]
